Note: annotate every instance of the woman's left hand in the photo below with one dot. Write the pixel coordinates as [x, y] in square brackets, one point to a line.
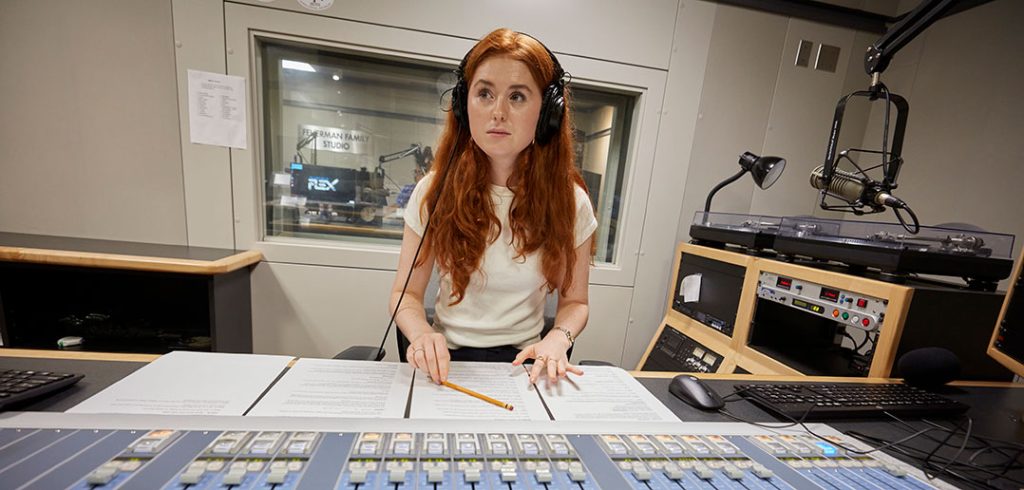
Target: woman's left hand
[549, 356]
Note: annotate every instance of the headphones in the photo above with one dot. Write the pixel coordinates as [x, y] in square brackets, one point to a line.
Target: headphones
[552, 105]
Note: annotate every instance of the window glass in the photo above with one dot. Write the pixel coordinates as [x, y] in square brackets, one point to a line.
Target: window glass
[346, 136]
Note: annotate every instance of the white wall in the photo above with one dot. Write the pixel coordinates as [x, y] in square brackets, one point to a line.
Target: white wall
[964, 144]
[89, 126]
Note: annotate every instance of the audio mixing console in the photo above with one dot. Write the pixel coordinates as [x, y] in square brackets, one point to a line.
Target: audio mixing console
[91, 452]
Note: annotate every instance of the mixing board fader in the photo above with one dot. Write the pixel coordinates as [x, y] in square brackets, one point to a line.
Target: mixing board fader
[80, 453]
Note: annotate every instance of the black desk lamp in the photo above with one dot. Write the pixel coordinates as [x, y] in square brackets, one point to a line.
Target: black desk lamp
[764, 170]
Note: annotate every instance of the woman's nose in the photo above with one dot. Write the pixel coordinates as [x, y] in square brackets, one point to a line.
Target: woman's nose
[499, 111]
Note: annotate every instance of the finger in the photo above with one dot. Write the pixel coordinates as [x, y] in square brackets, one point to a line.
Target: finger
[410, 357]
[419, 359]
[562, 363]
[552, 371]
[431, 357]
[574, 369]
[523, 355]
[443, 357]
[535, 371]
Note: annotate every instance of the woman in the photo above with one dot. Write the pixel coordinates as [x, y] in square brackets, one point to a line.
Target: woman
[509, 220]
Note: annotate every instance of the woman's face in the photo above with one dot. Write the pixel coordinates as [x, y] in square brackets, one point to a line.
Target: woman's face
[503, 105]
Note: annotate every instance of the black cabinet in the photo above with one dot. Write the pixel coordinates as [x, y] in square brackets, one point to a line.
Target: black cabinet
[122, 296]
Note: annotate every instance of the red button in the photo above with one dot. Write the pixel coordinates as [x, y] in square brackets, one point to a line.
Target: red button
[861, 302]
[866, 322]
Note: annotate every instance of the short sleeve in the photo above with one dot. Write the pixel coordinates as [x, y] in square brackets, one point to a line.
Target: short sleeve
[413, 215]
[586, 222]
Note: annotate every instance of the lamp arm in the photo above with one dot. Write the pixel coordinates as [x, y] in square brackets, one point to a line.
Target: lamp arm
[734, 178]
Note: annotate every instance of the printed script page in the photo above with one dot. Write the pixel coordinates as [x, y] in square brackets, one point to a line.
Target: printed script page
[338, 388]
[501, 381]
[190, 383]
[603, 393]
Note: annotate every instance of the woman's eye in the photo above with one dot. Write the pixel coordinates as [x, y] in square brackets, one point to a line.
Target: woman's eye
[517, 97]
[483, 93]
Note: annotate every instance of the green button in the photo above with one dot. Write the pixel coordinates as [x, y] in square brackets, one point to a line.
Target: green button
[846, 316]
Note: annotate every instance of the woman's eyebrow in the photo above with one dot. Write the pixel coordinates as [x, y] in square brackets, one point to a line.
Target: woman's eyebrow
[487, 83]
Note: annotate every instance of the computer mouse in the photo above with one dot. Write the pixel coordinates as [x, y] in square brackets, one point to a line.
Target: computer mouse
[695, 393]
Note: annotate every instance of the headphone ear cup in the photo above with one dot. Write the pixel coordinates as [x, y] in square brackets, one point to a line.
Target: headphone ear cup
[459, 108]
[551, 113]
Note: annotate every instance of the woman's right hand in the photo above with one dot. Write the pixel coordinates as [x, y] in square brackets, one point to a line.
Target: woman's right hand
[429, 352]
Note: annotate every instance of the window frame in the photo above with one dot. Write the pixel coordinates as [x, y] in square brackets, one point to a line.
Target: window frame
[244, 25]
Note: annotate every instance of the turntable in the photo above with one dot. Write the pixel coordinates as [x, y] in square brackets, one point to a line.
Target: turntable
[755, 233]
[980, 258]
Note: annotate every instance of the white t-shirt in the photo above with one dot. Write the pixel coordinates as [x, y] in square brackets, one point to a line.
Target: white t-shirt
[504, 300]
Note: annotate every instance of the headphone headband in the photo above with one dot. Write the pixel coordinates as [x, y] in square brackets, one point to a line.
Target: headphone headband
[552, 105]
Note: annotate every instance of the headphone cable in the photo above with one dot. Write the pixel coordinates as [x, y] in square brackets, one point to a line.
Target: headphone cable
[426, 227]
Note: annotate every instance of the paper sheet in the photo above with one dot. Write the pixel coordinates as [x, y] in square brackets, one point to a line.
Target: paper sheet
[691, 288]
[216, 109]
[501, 381]
[190, 383]
[603, 393]
[337, 388]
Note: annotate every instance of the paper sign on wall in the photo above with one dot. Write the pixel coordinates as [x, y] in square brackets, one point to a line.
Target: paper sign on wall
[216, 109]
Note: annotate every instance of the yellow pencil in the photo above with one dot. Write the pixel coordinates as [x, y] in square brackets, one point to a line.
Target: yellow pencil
[506, 406]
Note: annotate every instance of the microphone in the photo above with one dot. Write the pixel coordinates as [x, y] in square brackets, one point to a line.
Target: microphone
[399, 154]
[853, 189]
[928, 367]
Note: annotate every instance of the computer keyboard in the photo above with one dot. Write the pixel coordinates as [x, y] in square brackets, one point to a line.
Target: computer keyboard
[18, 386]
[848, 400]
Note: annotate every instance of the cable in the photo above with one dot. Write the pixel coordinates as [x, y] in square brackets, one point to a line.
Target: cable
[917, 224]
[970, 472]
[426, 228]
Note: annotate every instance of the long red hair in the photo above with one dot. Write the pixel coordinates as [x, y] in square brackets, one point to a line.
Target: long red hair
[543, 212]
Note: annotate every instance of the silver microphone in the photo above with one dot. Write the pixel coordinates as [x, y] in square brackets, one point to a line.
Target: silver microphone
[851, 188]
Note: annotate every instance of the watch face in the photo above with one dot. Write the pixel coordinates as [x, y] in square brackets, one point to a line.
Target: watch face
[316, 4]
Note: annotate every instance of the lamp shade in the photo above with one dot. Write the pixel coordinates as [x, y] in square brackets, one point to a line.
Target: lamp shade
[764, 170]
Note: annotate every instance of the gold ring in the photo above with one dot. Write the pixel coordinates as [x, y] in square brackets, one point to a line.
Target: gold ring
[418, 350]
[541, 359]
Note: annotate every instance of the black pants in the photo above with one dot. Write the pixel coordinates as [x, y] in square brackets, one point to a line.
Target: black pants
[501, 353]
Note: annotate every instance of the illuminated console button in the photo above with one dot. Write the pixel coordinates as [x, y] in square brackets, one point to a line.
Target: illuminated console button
[193, 473]
[733, 472]
[762, 472]
[234, 476]
[895, 471]
[835, 313]
[101, 476]
[129, 466]
[861, 302]
[357, 476]
[277, 475]
[576, 472]
[846, 316]
[866, 322]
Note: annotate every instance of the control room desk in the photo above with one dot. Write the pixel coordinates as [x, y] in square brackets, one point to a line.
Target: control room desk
[124, 296]
[995, 407]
